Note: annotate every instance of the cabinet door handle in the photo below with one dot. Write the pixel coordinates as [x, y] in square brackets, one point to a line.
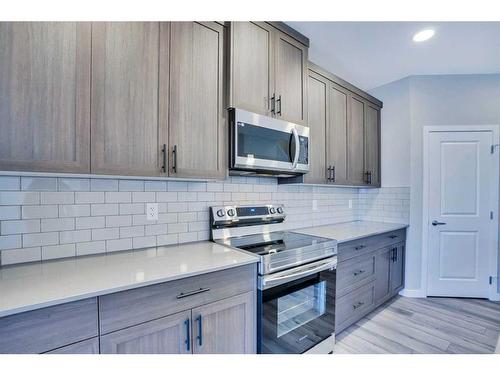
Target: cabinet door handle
[393, 236]
[188, 335]
[174, 159]
[273, 104]
[394, 255]
[278, 112]
[368, 175]
[164, 158]
[333, 173]
[200, 333]
[328, 173]
[360, 272]
[357, 305]
[359, 247]
[192, 293]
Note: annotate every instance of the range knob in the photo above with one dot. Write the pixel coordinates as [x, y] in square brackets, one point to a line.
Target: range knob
[272, 210]
[280, 210]
[220, 213]
[231, 212]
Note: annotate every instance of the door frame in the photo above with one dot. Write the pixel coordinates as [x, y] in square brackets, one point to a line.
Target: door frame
[494, 191]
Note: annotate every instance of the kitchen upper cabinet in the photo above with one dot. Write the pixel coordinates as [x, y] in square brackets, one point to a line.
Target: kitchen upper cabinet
[126, 127]
[268, 71]
[251, 66]
[226, 326]
[169, 335]
[356, 141]
[45, 99]
[336, 139]
[291, 79]
[318, 123]
[372, 145]
[196, 122]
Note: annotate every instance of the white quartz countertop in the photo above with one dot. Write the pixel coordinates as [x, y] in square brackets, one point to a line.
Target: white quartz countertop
[37, 285]
[352, 230]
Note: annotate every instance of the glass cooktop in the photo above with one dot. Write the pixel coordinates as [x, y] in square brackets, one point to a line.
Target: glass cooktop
[275, 242]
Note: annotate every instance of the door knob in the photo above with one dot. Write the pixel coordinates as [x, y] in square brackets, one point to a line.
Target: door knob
[435, 222]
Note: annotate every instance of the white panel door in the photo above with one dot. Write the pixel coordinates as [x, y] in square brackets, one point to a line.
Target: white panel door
[460, 201]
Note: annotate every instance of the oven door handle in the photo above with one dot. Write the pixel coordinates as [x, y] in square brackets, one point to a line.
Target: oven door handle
[279, 278]
[297, 148]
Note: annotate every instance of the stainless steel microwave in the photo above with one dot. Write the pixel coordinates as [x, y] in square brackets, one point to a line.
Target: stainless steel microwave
[264, 145]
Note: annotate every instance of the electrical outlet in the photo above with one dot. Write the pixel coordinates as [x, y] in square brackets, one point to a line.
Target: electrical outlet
[315, 205]
[152, 211]
[350, 203]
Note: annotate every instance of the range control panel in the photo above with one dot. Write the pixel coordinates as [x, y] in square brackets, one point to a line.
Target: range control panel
[246, 215]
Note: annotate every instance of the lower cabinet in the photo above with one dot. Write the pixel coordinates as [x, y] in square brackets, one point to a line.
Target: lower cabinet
[223, 327]
[369, 279]
[90, 346]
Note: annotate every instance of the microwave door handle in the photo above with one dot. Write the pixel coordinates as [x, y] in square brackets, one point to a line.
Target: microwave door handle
[297, 148]
[274, 280]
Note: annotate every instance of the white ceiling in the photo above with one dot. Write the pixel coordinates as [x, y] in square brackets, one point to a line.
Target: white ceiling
[371, 54]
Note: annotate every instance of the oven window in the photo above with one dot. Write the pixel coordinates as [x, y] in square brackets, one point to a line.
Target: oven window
[263, 143]
[301, 307]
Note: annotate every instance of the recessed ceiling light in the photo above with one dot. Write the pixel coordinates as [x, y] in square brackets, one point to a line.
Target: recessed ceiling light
[423, 35]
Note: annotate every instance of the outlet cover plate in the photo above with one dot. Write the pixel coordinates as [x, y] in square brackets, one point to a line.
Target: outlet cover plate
[152, 211]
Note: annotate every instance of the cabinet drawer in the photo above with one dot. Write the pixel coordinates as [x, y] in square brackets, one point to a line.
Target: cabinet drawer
[355, 271]
[52, 327]
[353, 306]
[90, 346]
[348, 250]
[131, 307]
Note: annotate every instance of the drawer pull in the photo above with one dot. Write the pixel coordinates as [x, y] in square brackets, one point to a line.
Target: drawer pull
[359, 247]
[192, 293]
[393, 236]
[357, 305]
[357, 273]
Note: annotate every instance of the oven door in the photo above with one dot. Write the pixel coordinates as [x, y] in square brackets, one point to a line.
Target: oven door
[298, 314]
[263, 143]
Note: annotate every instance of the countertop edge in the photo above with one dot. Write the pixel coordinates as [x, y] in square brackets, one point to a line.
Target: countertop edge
[403, 226]
[79, 297]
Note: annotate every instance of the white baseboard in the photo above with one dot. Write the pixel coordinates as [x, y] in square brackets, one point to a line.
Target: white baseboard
[495, 297]
[412, 293]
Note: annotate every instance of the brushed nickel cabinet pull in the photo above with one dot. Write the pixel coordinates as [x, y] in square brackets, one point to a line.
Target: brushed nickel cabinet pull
[192, 293]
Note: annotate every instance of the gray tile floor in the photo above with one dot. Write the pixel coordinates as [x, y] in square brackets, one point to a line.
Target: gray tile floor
[427, 325]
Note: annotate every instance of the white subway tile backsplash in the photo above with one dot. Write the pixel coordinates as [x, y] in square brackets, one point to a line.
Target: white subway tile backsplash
[10, 183]
[8, 198]
[40, 239]
[74, 210]
[24, 255]
[70, 220]
[59, 224]
[90, 197]
[57, 197]
[59, 251]
[10, 242]
[74, 184]
[118, 245]
[103, 185]
[90, 222]
[19, 226]
[104, 209]
[75, 236]
[39, 183]
[131, 185]
[39, 212]
[88, 248]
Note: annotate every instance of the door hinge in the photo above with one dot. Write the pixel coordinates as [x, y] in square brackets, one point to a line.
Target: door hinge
[491, 215]
[492, 150]
[491, 280]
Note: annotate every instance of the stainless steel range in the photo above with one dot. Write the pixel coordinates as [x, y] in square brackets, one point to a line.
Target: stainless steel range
[297, 276]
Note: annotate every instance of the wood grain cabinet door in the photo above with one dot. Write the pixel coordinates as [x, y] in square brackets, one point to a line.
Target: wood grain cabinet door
[372, 144]
[355, 142]
[291, 79]
[337, 133]
[318, 122]
[169, 335]
[251, 66]
[226, 326]
[397, 268]
[90, 346]
[45, 96]
[127, 132]
[196, 124]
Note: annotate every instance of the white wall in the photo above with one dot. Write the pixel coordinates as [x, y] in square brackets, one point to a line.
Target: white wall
[432, 100]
